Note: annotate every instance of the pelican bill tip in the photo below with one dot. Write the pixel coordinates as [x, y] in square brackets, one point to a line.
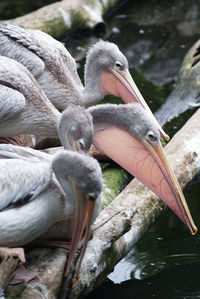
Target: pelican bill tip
[166, 137]
[194, 230]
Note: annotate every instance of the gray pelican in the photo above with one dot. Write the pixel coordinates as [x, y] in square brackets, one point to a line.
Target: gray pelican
[106, 69]
[25, 109]
[128, 136]
[33, 198]
[132, 139]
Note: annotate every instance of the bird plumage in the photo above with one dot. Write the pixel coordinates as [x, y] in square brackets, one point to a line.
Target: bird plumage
[106, 69]
[47, 59]
[24, 107]
[37, 194]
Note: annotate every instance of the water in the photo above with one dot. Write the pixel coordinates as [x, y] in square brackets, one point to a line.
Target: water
[165, 263]
[154, 35]
[176, 283]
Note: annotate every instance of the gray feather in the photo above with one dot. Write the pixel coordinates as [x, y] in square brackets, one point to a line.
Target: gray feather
[22, 179]
[11, 101]
[47, 59]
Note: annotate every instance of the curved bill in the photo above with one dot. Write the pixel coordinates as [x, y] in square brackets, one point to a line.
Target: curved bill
[121, 84]
[83, 219]
[148, 163]
[72, 144]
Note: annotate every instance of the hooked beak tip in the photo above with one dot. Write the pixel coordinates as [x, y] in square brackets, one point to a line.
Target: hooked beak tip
[167, 138]
[194, 230]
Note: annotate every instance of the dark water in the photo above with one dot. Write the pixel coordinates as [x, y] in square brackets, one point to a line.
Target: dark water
[164, 263]
[154, 35]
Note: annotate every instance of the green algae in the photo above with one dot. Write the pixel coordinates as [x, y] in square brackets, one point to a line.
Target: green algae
[114, 179]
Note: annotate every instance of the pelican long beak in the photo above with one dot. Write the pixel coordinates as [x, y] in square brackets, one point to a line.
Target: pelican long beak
[84, 212]
[72, 144]
[91, 208]
[121, 84]
[170, 190]
[148, 163]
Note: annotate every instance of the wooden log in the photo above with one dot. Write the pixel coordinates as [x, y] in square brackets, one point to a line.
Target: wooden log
[66, 16]
[8, 267]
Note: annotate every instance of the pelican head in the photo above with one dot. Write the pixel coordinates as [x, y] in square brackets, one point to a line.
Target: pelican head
[81, 178]
[105, 58]
[134, 143]
[76, 129]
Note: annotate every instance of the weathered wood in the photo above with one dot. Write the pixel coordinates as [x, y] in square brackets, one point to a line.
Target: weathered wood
[8, 267]
[185, 95]
[65, 16]
[49, 266]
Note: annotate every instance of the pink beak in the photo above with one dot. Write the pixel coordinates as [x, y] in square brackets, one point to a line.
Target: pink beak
[83, 219]
[121, 84]
[148, 163]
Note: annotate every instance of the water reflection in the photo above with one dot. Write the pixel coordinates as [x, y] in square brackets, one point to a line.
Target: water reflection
[176, 282]
[165, 263]
[167, 243]
[159, 34]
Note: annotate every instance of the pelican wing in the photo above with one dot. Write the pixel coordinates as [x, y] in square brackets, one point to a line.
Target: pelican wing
[10, 151]
[59, 61]
[11, 100]
[21, 181]
[10, 47]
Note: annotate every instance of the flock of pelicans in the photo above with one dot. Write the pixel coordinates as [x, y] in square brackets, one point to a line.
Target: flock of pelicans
[52, 199]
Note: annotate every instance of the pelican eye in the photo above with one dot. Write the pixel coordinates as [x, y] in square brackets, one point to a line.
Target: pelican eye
[119, 65]
[92, 196]
[81, 143]
[151, 136]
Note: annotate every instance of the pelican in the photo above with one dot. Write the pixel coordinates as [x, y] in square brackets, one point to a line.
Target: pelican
[29, 115]
[34, 196]
[76, 132]
[106, 69]
[25, 109]
[128, 136]
[133, 141]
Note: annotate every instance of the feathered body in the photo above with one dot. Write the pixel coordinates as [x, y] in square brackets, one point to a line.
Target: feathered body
[55, 69]
[47, 59]
[24, 108]
[36, 191]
